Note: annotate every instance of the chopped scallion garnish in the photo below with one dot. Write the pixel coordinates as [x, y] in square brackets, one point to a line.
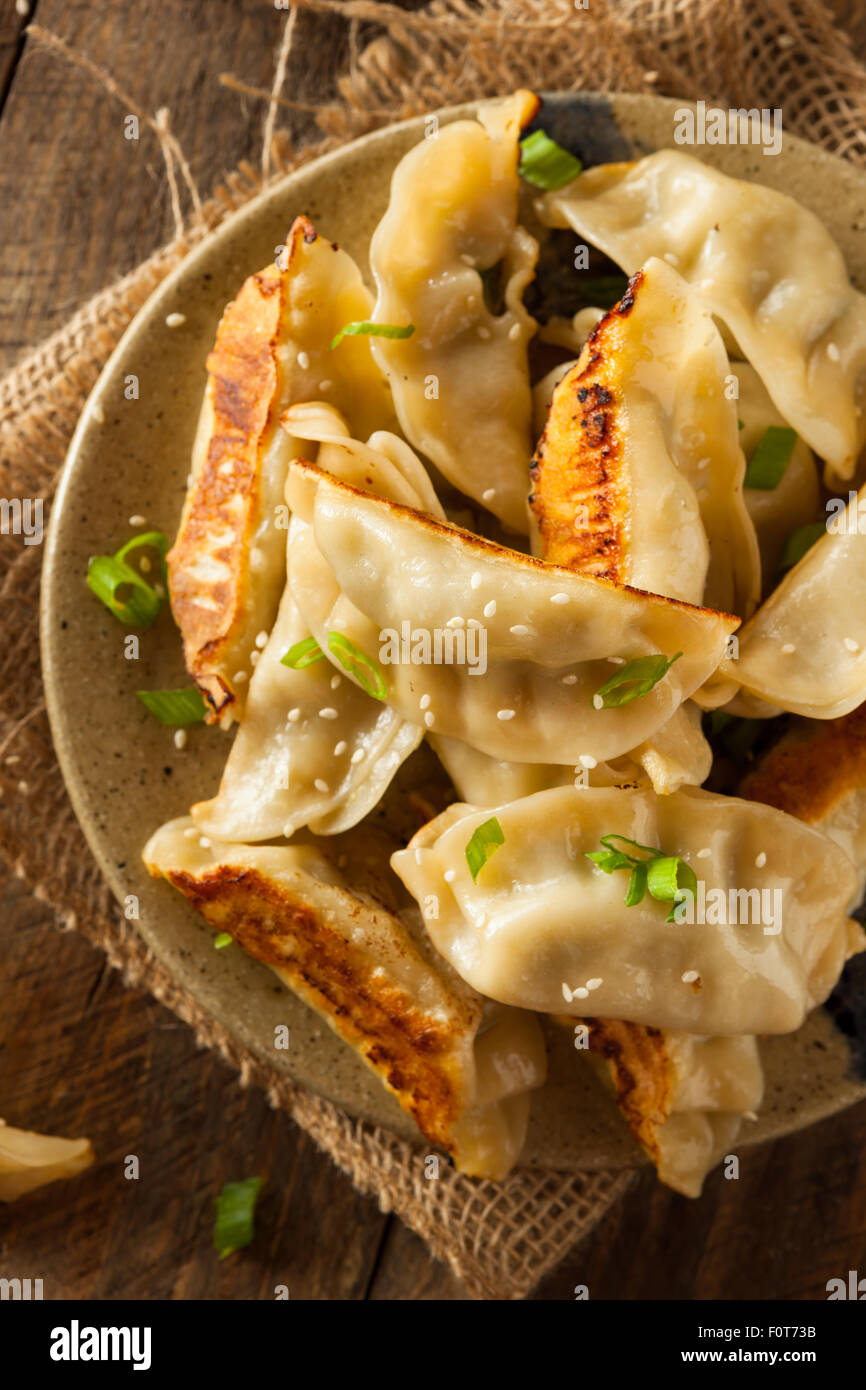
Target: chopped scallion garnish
[175, 706]
[668, 878]
[367, 329]
[222, 940]
[766, 467]
[123, 590]
[302, 654]
[799, 542]
[546, 164]
[358, 664]
[485, 841]
[633, 680]
[235, 1209]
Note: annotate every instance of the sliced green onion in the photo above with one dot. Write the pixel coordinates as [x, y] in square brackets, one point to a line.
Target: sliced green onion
[609, 860]
[358, 664]
[224, 939]
[636, 844]
[367, 329]
[668, 877]
[174, 706]
[485, 841]
[767, 465]
[741, 424]
[546, 164]
[302, 654]
[235, 1209]
[636, 885]
[602, 290]
[633, 680]
[108, 574]
[799, 542]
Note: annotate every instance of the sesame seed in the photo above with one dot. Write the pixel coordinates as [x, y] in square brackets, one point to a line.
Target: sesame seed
[567, 994]
[587, 760]
[358, 756]
[325, 385]
[23, 788]
[175, 320]
[144, 565]
[328, 713]
[559, 598]
[321, 785]
[851, 645]
[785, 41]
[424, 702]
[490, 608]
[136, 520]
[239, 677]
[340, 748]
[488, 494]
[703, 853]
[597, 702]
[514, 332]
[483, 332]
[788, 648]
[690, 976]
[204, 842]
[303, 361]
[616, 660]
[504, 714]
[262, 639]
[293, 715]
[594, 984]
[761, 860]
[581, 993]
[833, 352]
[450, 875]
[180, 738]
[429, 718]
[569, 680]
[466, 258]
[475, 581]
[456, 621]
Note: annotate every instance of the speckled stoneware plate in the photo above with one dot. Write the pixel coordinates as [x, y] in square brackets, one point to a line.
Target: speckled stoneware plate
[123, 773]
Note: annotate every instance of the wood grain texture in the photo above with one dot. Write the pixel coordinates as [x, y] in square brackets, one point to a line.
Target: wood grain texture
[82, 1054]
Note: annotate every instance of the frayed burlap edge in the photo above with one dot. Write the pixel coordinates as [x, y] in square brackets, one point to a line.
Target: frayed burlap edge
[500, 1239]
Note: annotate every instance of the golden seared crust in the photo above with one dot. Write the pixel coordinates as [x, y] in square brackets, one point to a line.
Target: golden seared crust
[580, 491]
[812, 767]
[208, 564]
[641, 1072]
[412, 1051]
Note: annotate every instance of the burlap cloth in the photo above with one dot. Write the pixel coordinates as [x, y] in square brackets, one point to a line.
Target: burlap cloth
[499, 1239]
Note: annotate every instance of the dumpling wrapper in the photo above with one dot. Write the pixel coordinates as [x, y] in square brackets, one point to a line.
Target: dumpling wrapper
[460, 382]
[775, 512]
[29, 1160]
[805, 648]
[227, 566]
[462, 1069]
[763, 263]
[315, 749]
[549, 634]
[683, 1097]
[541, 916]
[638, 476]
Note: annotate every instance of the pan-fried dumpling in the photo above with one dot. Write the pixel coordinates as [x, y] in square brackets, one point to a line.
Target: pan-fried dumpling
[764, 264]
[463, 1070]
[227, 566]
[540, 916]
[805, 648]
[816, 771]
[684, 1097]
[775, 512]
[638, 476]
[314, 748]
[548, 635]
[461, 380]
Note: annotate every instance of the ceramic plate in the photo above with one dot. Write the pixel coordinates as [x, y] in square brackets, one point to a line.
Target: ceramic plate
[124, 775]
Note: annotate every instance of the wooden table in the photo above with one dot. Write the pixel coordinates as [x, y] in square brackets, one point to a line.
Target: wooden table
[79, 1052]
